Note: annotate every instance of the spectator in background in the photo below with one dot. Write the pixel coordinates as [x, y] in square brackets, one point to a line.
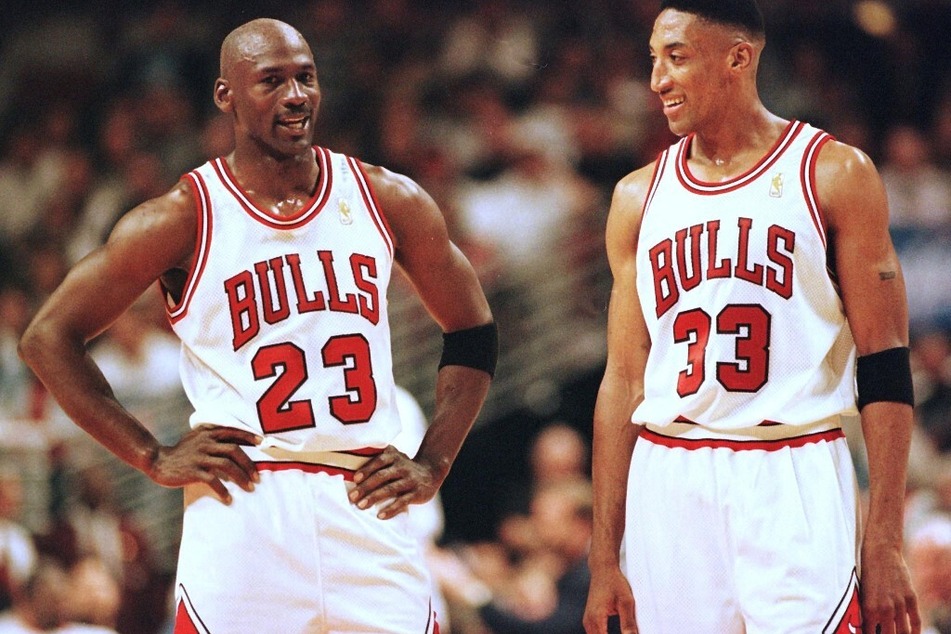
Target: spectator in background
[38, 605]
[929, 561]
[30, 175]
[942, 131]
[557, 452]
[492, 37]
[16, 380]
[528, 216]
[919, 192]
[933, 388]
[545, 593]
[18, 557]
[93, 599]
[92, 528]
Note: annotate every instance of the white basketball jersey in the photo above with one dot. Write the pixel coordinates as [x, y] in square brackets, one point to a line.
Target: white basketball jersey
[283, 319]
[745, 322]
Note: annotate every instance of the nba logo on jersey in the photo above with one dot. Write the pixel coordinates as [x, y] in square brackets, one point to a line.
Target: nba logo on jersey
[346, 216]
[776, 185]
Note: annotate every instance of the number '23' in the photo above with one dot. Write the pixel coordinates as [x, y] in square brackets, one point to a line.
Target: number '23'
[287, 365]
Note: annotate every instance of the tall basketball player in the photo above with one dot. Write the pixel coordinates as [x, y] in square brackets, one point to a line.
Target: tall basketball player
[274, 262]
[755, 285]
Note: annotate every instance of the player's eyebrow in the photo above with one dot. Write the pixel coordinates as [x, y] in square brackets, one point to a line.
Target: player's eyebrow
[668, 47]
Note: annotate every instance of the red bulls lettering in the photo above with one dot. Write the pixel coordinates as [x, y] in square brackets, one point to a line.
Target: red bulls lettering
[262, 292]
[680, 265]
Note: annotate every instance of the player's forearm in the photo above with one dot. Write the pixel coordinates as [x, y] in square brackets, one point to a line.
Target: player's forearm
[69, 373]
[887, 431]
[612, 446]
[460, 394]
[611, 457]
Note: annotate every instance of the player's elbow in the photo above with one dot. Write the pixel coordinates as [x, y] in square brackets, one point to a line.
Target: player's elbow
[36, 339]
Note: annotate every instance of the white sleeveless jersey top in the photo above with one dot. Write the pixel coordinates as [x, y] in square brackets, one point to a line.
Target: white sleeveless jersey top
[745, 321]
[283, 320]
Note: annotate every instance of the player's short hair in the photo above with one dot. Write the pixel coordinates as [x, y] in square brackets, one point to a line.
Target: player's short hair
[743, 13]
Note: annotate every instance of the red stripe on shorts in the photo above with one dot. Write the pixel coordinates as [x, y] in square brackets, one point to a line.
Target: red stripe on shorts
[308, 467]
[741, 445]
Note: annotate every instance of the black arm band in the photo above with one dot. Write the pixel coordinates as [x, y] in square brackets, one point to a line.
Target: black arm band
[472, 347]
[885, 376]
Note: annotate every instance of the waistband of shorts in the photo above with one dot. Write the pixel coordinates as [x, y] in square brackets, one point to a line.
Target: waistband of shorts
[345, 463]
[764, 437]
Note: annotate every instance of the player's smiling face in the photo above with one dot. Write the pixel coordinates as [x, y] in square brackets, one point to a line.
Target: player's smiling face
[687, 61]
[276, 95]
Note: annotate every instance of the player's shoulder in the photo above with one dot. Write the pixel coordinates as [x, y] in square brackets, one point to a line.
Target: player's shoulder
[839, 162]
[177, 203]
[389, 184]
[168, 221]
[411, 213]
[848, 186]
[630, 192]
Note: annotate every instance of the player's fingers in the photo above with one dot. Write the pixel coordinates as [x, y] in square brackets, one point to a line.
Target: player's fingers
[225, 468]
[914, 618]
[235, 436]
[595, 623]
[378, 488]
[217, 486]
[395, 507]
[376, 464]
[623, 611]
[628, 626]
[242, 461]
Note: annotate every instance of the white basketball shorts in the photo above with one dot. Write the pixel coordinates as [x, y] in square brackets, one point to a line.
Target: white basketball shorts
[743, 536]
[295, 556]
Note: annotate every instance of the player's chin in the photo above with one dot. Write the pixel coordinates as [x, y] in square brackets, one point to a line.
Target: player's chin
[294, 137]
[678, 127]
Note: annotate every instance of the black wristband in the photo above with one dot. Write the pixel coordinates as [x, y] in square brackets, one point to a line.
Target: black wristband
[476, 347]
[885, 376]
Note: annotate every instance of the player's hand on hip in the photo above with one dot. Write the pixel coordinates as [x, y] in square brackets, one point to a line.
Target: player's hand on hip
[394, 480]
[609, 594]
[211, 455]
[889, 604]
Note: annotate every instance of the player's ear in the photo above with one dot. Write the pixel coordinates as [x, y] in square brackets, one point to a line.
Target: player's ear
[223, 95]
[741, 55]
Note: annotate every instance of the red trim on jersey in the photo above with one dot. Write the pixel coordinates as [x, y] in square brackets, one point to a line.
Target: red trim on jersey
[659, 165]
[202, 246]
[697, 186]
[807, 177]
[369, 199]
[267, 217]
[740, 445]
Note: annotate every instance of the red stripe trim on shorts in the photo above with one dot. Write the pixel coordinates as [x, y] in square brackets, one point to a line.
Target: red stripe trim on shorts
[307, 467]
[741, 445]
[317, 467]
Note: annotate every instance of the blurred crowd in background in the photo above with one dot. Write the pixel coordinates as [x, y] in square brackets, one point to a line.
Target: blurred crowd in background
[518, 117]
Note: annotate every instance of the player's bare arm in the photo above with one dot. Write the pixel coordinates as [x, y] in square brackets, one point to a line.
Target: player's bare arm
[448, 287]
[620, 391]
[854, 202]
[153, 240]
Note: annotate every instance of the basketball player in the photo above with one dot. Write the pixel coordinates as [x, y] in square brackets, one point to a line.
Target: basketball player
[752, 265]
[274, 261]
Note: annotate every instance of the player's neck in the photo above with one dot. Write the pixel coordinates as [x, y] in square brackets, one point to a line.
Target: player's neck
[281, 185]
[733, 144]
